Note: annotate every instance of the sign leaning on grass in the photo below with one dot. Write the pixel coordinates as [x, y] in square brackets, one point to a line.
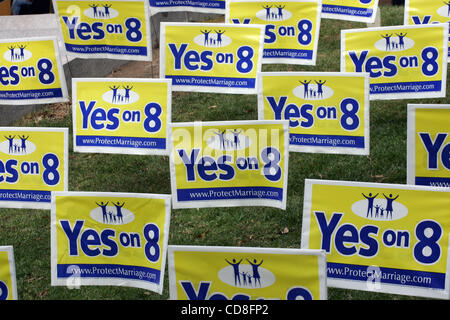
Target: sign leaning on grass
[206, 6]
[389, 238]
[121, 115]
[291, 27]
[352, 10]
[428, 145]
[8, 285]
[234, 273]
[116, 29]
[31, 72]
[211, 57]
[229, 163]
[426, 12]
[100, 238]
[328, 112]
[33, 163]
[403, 61]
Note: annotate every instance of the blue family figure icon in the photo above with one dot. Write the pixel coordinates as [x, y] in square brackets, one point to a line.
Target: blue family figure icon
[23, 145]
[206, 36]
[235, 266]
[114, 90]
[94, 8]
[11, 52]
[236, 134]
[387, 38]
[255, 265]
[401, 39]
[106, 7]
[119, 213]
[320, 84]
[221, 135]
[22, 53]
[267, 7]
[370, 198]
[104, 213]
[10, 139]
[280, 11]
[219, 36]
[389, 204]
[305, 87]
[127, 92]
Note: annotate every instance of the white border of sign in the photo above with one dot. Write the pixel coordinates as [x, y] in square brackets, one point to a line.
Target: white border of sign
[320, 253]
[55, 281]
[318, 149]
[12, 268]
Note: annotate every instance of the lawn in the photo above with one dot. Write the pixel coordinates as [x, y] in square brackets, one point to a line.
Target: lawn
[28, 231]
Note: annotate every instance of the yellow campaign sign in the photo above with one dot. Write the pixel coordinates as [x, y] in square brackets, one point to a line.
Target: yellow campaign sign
[116, 29]
[402, 61]
[100, 238]
[426, 12]
[235, 273]
[211, 57]
[31, 71]
[351, 10]
[389, 238]
[328, 112]
[8, 285]
[291, 27]
[206, 6]
[428, 145]
[33, 163]
[121, 115]
[229, 163]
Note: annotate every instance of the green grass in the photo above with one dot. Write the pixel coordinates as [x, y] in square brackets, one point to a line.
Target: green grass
[29, 230]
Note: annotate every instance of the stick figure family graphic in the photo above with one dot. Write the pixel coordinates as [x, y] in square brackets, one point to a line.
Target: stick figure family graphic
[98, 13]
[226, 143]
[118, 97]
[271, 15]
[245, 278]
[210, 40]
[312, 93]
[109, 216]
[17, 148]
[390, 44]
[17, 55]
[379, 210]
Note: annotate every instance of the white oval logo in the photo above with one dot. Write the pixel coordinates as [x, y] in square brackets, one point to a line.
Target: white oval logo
[120, 95]
[17, 145]
[380, 209]
[212, 38]
[101, 12]
[313, 90]
[17, 53]
[273, 13]
[112, 213]
[228, 140]
[444, 11]
[249, 276]
[392, 42]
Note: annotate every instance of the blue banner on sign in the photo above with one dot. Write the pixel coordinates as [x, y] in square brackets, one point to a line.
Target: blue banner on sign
[326, 140]
[31, 94]
[288, 53]
[386, 275]
[103, 48]
[399, 87]
[210, 4]
[121, 142]
[212, 81]
[108, 271]
[434, 182]
[25, 195]
[230, 193]
[351, 11]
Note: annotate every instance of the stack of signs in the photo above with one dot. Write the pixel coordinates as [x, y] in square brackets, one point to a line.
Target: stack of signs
[327, 112]
[426, 11]
[8, 285]
[292, 27]
[116, 29]
[211, 57]
[230, 163]
[402, 61]
[234, 273]
[109, 239]
[380, 237]
[428, 145]
[206, 6]
[33, 163]
[128, 116]
[31, 72]
[352, 10]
